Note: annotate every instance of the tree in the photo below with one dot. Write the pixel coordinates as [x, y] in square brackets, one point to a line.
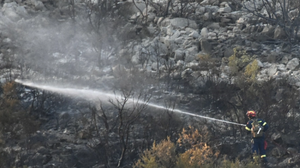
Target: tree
[284, 13]
[129, 108]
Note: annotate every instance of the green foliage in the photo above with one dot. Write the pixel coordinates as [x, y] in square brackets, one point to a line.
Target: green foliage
[197, 152]
[238, 164]
[159, 156]
[204, 57]
[251, 70]
[233, 63]
[206, 62]
[238, 60]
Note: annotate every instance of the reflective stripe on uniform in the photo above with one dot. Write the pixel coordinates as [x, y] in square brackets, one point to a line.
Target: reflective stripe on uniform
[262, 156]
[248, 128]
[259, 121]
[264, 123]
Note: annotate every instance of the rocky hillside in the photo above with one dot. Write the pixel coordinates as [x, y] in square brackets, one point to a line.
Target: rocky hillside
[217, 58]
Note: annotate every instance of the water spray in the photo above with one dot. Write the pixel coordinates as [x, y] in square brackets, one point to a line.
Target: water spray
[94, 94]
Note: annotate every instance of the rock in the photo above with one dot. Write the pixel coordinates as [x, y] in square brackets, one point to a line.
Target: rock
[204, 33]
[279, 33]
[206, 46]
[85, 134]
[271, 70]
[228, 52]
[194, 34]
[214, 25]
[186, 73]
[119, 70]
[290, 139]
[210, 2]
[64, 119]
[277, 152]
[207, 16]
[164, 22]
[272, 160]
[253, 5]
[10, 11]
[193, 65]
[268, 31]
[276, 137]
[182, 23]
[176, 34]
[200, 10]
[179, 55]
[135, 59]
[292, 64]
[292, 151]
[42, 150]
[38, 5]
[285, 59]
[225, 10]
[189, 57]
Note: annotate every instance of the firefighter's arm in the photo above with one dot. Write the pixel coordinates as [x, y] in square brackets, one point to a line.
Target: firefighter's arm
[248, 126]
[265, 125]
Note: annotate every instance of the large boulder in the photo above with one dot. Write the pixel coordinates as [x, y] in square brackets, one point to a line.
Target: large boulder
[279, 33]
[13, 11]
[292, 64]
[206, 46]
[182, 23]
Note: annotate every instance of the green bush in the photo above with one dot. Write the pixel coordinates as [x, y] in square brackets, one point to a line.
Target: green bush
[251, 70]
[197, 154]
[159, 156]
[239, 60]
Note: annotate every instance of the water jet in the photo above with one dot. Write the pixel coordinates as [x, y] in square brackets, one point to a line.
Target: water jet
[104, 96]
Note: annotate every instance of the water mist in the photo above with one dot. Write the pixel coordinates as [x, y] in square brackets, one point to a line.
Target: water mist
[104, 96]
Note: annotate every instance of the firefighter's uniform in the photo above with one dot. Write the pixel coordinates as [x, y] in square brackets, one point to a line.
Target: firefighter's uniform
[259, 142]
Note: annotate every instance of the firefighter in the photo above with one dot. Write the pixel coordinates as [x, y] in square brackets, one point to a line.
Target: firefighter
[257, 128]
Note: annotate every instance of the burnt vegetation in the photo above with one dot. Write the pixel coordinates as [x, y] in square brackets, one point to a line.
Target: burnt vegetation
[125, 131]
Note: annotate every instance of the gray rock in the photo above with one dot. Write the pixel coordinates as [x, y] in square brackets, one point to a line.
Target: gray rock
[292, 64]
[189, 57]
[179, 55]
[292, 151]
[186, 73]
[279, 33]
[268, 30]
[228, 52]
[182, 23]
[204, 33]
[10, 11]
[135, 59]
[207, 16]
[206, 46]
[64, 119]
[193, 65]
[225, 10]
[253, 5]
[194, 34]
[272, 70]
[210, 2]
[214, 25]
[38, 5]
[200, 10]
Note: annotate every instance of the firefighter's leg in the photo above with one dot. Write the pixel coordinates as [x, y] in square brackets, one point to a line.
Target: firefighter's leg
[255, 148]
[262, 150]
